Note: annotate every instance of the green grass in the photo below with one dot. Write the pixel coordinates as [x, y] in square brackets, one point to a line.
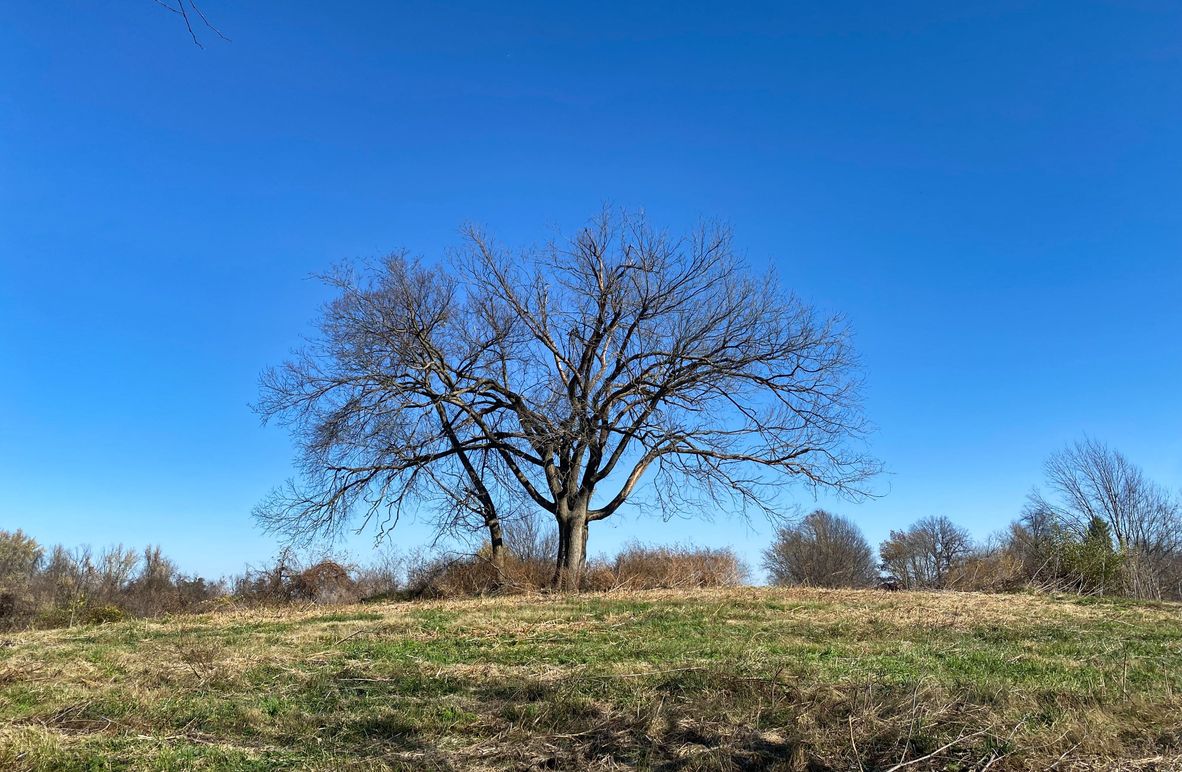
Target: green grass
[721, 679]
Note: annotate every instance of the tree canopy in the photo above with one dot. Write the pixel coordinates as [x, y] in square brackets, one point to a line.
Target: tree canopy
[564, 376]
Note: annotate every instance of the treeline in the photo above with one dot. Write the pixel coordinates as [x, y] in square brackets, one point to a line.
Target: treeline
[57, 587]
[61, 587]
[1102, 528]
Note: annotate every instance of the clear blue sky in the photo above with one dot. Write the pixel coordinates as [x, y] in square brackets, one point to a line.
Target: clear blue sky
[992, 192]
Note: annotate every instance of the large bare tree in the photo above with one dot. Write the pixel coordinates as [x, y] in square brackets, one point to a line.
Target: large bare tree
[574, 372]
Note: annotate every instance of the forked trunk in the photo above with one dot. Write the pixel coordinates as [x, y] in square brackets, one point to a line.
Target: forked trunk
[572, 551]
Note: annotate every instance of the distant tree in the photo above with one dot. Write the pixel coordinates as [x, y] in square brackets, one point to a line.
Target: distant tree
[591, 363]
[822, 550]
[20, 556]
[1090, 481]
[1033, 540]
[922, 556]
[1055, 557]
[530, 538]
[1093, 562]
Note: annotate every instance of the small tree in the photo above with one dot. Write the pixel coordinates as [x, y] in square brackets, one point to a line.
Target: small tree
[823, 550]
[922, 556]
[1092, 563]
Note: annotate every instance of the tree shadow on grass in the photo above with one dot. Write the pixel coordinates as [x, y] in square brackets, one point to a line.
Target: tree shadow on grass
[556, 725]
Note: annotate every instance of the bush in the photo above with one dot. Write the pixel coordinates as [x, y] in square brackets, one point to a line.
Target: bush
[14, 610]
[1092, 564]
[823, 550]
[43, 588]
[458, 577]
[599, 576]
[1055, 557]
[470, 575]
[639, 567]
[325, 582]
[288, 580]
[103, 614]
[382, 579]
[636, 567]
[269, 584]
[987, 571]
[20, 556]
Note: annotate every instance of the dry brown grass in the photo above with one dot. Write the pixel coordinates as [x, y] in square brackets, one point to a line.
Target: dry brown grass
[636, 567]
[713, 679]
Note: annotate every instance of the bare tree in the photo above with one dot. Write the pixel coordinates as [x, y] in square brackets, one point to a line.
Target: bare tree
[1091, 481]
[823, 550]
[370, 401]
[530, 538]
[579, 367]
[627, 351]
[1034, 540]
[923, 555]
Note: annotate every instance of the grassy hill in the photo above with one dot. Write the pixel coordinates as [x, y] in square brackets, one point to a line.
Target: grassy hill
[718, 679]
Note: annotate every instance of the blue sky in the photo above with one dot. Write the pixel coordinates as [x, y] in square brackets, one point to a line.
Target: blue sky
[990, 192]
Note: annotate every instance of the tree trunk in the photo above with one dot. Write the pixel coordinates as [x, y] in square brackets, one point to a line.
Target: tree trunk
[572, 550]
[496, 539]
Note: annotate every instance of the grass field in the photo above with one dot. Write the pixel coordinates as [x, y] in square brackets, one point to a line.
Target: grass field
[716, 679]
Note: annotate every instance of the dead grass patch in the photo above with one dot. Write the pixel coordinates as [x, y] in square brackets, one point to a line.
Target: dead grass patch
[740, 678]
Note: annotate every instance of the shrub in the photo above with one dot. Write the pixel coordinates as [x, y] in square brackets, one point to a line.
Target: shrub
[270, 583]
[20, 556]
[325, 582]
[599, 576]
[103, 614]
[382, 579]
[636, 567]
[469, 575]
[639, 567]
[14, 610]
[995, 570]
[1056, 557]
[823, 550]
[62, 587]
[1092, 564]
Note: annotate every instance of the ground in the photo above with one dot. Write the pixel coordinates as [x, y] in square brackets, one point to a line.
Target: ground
[748, 678]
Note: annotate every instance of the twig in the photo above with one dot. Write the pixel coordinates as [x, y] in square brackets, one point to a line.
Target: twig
[1059, 760]
[351, 635]
[854, 745]
[336, 643]
[201, 13]
[183, 12]
[940, 750]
